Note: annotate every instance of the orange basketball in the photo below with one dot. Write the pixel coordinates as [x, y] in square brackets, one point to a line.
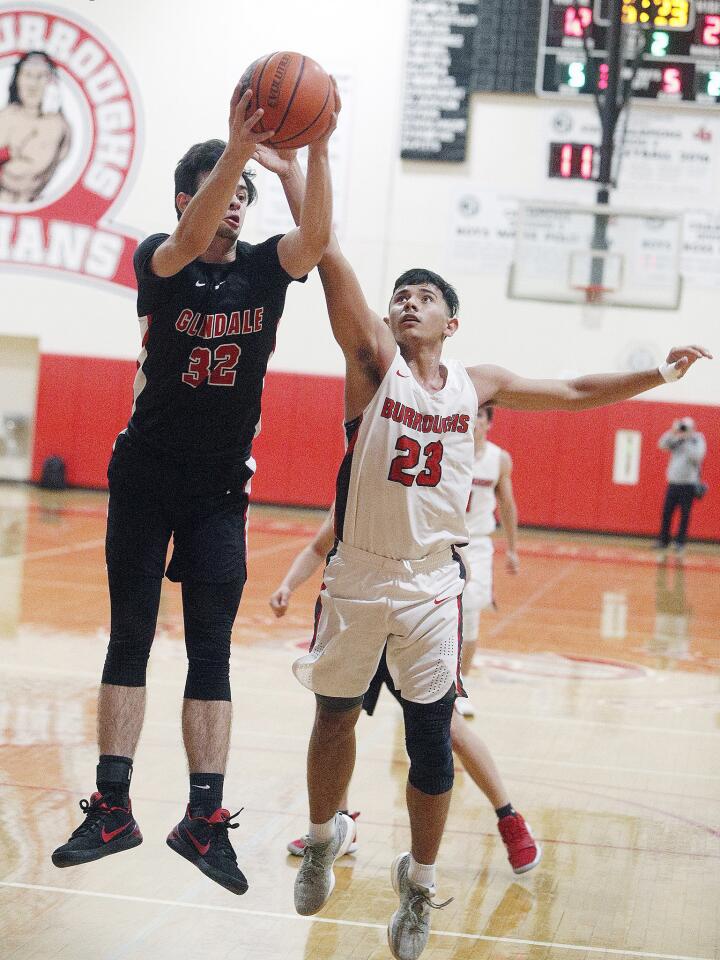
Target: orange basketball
[296, 95]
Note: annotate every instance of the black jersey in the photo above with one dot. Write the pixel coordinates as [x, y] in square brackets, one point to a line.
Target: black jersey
[207, 335]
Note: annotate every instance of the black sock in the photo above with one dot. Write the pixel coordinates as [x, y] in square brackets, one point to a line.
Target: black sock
[113, 777]
[507, 811]
[206, 791]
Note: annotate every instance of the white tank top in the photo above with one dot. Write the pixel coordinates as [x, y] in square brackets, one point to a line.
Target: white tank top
[404, 483]
[481, 505]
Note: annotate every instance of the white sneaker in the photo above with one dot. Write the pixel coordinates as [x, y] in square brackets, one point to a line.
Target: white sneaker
[315, 880]
[409, 927]
[464, 707]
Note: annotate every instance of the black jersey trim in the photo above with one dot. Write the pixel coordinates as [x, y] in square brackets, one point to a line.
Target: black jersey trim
[352, 428]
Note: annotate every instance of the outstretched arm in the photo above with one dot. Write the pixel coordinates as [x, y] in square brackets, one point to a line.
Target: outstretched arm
[304, 564]
[365, 340]
[506, 389]
[508, 511]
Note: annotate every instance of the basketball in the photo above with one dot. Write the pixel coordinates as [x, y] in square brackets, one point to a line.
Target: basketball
[296, 95]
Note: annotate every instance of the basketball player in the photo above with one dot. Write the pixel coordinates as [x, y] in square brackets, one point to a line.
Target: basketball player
[491, 487]
[32, 142]
[394, 580]
[209, 306]
[523, 852]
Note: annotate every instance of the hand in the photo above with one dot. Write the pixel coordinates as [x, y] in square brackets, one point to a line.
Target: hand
[322, 141]
[242, 139]
[512, 562]
[685, 357]
[276, 161]
[280, 601]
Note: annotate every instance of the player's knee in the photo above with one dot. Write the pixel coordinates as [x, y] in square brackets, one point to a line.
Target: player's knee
[208, 649]
[127, 653]
[335, 717]
[428, 742]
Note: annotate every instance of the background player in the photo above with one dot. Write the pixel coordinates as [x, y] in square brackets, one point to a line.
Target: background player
[523, 852]
[209, 308]
[491, 487]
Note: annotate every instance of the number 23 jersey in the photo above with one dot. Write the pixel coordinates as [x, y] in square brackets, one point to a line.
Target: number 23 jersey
[207, 335]
[403, 486]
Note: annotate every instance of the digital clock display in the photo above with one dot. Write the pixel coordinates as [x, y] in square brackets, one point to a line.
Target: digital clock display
[573, 161]
[680, 60]
[671, 14]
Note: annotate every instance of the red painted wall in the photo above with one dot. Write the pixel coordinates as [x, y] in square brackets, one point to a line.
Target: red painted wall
[562, 461]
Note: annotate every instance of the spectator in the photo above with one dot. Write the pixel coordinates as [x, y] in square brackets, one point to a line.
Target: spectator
[687, 451]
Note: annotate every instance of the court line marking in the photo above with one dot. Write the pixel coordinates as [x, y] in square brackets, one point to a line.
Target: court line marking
[344, 923]
[54, 551]
[526, 604]
[237, 669]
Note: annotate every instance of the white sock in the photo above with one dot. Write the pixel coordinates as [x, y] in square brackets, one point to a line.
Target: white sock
[423, 874]
[322, 832]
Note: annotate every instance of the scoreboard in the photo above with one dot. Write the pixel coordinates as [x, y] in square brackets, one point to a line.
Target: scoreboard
[675, 43]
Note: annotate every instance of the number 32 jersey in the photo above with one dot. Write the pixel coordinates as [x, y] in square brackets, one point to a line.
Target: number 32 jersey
[207, 335]
[403, 486]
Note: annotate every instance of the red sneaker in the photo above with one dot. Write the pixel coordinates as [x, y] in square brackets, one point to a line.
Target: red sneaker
[297, 847]
[523, 852]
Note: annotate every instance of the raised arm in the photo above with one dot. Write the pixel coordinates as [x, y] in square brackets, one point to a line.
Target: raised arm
[506, 389]
[304, 564]
[311, 206]
[365, 340]
[508, 511]
[199, 222]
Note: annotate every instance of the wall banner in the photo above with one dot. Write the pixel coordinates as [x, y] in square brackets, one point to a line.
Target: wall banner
[69, 141]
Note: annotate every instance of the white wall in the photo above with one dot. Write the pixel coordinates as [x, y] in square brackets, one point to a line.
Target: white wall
[185, 57]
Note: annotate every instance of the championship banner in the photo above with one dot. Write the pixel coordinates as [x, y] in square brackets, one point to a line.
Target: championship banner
[69, 128]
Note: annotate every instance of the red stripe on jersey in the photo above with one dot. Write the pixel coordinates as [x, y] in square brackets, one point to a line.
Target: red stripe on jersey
[458, 674]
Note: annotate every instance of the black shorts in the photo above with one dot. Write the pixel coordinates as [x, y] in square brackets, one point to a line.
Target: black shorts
[152, 500]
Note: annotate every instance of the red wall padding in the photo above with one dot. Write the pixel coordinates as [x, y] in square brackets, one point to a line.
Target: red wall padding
[562, 461]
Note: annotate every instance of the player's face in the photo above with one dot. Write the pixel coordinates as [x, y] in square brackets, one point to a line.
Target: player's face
[418, 312]
[231, 224]
[482, 425]
[33, 77]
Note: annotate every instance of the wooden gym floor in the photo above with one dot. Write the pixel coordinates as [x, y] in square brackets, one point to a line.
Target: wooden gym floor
[598, 693]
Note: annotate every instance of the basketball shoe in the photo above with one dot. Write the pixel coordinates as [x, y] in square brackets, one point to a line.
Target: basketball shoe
[204, 841]
[107, 828]
[315, 880]
[297, 847]
[522, 850]
[409, 927]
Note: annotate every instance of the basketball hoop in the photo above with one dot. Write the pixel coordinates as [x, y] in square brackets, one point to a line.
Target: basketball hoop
[594, 293]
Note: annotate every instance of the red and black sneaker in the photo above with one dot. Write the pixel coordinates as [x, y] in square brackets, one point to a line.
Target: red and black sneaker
[524, 852]
[204, 841]
[107, 828]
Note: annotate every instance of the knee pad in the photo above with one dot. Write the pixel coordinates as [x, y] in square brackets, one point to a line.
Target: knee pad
[427, 738]
[134, 605]
[209, 611]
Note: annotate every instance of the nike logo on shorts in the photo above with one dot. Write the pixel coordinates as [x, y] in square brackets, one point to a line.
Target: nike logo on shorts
[406, 375]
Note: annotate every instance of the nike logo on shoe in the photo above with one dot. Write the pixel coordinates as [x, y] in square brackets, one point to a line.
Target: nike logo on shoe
[202, 848]
[107, 837]
[442, 599]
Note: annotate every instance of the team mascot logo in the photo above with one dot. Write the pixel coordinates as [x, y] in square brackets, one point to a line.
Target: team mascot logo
[68, 143]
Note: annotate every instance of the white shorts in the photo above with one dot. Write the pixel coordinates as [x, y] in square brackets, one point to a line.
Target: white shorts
[478, 557]
[366, 602]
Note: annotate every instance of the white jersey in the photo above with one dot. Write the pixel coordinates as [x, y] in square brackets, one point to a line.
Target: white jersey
[481, 505]
[404, 483]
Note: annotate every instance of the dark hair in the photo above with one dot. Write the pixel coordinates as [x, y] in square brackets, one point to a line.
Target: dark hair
[489, 411]
[13, 95]
[417, 276]
[201, 158]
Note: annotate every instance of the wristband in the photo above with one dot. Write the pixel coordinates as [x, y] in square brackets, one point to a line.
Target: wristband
[4, 155]
[669, 372]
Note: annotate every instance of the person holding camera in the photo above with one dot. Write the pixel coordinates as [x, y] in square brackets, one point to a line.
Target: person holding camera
[687, 451]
